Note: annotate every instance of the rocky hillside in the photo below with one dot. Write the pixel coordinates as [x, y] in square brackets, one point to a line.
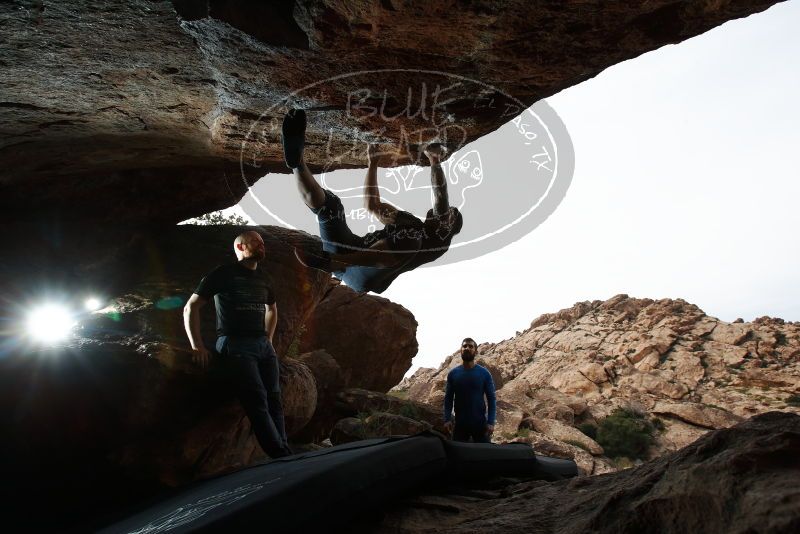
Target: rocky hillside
[686, 372]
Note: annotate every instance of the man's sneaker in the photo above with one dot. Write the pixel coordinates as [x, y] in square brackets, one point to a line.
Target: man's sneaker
[293, 136]
[320, 262]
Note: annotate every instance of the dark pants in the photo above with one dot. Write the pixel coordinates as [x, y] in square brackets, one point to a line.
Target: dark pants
[475, 432]
[338, 238]
[253, 366]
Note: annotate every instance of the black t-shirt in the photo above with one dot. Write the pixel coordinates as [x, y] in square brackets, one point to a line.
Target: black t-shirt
[432, 241]
[240, 296]
[436, 239]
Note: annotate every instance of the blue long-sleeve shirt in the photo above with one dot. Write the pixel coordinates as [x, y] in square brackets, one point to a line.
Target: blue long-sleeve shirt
[469, 387]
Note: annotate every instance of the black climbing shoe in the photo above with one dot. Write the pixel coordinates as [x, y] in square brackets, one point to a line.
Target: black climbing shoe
[293, 135]
[321, 262]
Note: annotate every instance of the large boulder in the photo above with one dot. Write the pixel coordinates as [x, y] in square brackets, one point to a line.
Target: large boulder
[711, 417]
[328, 379]
[380, 354]
[566, 434]
[221, 441]
[356, 401]
[298, 394]
[740, 479]
[375, 425]
[141, 111]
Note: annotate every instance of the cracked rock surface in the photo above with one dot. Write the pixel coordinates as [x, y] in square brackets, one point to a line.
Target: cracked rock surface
[153, 111]
[737, 480]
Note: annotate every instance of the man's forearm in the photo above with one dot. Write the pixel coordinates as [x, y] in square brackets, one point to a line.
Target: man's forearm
[271, 321]
[448, 402]
[191, 322]
[372, 195]
[492, 408]
[441, 202]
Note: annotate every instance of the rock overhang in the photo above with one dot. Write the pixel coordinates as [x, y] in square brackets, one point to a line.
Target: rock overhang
[152, 112]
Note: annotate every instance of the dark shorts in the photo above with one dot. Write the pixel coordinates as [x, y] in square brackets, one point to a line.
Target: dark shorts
[337, 238]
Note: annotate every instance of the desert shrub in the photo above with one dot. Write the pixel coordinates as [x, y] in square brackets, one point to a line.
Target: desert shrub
[622, 463]
[658, 424]
[589, 429]
[399, 393]
[794, 400]
[523, 433]
[625, 433]
[410, 411]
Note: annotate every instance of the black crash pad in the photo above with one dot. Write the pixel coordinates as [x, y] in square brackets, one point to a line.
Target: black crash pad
[478, 461]
[327, 488]
[320, 489]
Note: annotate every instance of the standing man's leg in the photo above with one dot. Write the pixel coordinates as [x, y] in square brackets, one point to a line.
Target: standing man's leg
[471, 432]
[269, 368]
[461, 433]
[243, 357]
[479, 434]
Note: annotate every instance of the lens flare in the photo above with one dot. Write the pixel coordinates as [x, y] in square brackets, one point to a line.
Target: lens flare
[92, 304]
[50, 323]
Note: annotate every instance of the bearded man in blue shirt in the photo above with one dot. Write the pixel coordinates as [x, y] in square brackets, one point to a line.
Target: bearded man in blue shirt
[467, 386]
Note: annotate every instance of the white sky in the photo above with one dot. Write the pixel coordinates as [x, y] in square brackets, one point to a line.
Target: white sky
[686, 186]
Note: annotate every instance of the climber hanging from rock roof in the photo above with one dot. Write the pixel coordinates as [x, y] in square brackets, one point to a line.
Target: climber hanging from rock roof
[370, 262]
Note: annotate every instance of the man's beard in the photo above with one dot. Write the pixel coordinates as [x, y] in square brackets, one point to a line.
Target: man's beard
[467, 356]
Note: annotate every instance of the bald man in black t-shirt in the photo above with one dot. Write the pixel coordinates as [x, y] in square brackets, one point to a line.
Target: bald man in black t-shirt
[246, 318]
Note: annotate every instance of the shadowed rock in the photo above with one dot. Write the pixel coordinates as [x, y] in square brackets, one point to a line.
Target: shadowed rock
[119, 410]
[740, 479]
[359, 401]
[381, 353]
[140, 111]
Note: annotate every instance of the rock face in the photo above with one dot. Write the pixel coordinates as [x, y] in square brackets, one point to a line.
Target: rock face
[741, 479]
[128, 370]
[120, 405]
[381, 353]
[328, 379]
[376, 425]
[159, 111]
[665, 358]
[357, 401]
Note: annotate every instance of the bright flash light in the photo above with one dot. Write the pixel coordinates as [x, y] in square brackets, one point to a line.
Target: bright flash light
[50, 323]
[92, 304]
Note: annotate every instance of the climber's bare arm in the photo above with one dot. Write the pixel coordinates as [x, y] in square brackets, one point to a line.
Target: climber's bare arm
[441, 203]
[386, 213]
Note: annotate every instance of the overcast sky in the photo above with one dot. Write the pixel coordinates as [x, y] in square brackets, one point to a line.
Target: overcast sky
[686, 185]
